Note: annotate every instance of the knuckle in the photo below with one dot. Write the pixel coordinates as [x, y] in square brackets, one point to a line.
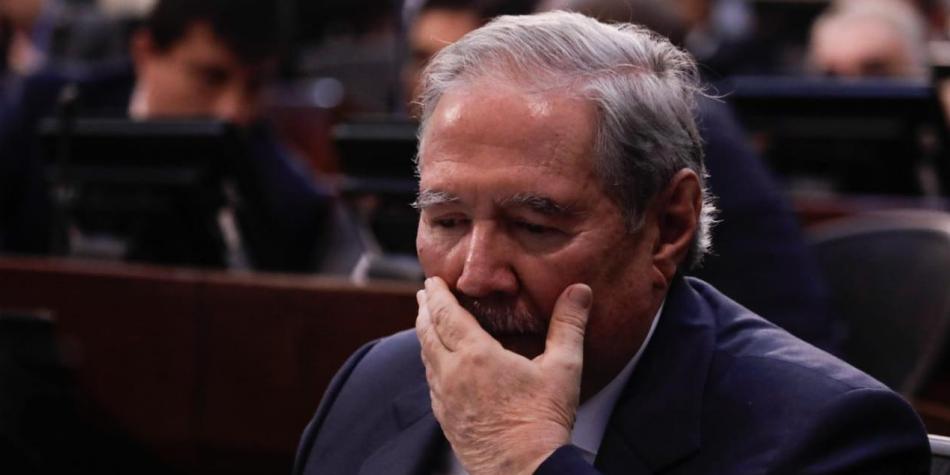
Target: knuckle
[572, 365]
[569, 363]
[440, 314]
[470, 359]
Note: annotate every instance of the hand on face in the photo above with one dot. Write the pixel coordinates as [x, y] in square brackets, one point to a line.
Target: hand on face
[501, 412]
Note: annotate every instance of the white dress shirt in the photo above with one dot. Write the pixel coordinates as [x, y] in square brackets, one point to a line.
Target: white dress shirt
[592, 415]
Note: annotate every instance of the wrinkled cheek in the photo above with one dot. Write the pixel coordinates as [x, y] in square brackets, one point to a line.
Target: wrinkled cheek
[430, 257]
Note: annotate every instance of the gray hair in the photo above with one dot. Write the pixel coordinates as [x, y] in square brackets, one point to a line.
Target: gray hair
[643, 87]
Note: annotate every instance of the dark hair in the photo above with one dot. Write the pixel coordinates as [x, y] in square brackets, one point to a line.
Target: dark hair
[251, 28]
[484, 9]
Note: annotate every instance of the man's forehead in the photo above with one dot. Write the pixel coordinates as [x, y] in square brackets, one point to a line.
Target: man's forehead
[472, 112]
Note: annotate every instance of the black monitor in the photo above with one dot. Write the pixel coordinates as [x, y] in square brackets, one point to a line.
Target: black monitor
[147, 191]
[870, 136]
[377, 161]
[376, 154]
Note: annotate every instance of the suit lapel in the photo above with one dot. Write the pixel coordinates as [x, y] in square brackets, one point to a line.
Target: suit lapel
[415, 446]
[656, 421]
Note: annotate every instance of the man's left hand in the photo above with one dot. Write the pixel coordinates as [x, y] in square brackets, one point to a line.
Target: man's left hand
[501, 412]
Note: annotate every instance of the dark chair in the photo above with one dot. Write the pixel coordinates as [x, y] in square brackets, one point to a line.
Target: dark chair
[940, 446]
[889, 274]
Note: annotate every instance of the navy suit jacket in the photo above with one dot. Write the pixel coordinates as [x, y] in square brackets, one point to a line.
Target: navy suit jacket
[718, 390]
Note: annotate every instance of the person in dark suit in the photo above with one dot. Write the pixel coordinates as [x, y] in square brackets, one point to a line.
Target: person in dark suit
[191, 59]
[719, 390]
[562, 197]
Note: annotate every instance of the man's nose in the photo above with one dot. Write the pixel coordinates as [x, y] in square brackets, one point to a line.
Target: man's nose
[487, 268]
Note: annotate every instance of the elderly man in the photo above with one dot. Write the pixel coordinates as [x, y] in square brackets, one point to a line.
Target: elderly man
[562, 194]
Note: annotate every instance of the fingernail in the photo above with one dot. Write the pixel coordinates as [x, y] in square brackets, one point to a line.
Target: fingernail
[580, 295]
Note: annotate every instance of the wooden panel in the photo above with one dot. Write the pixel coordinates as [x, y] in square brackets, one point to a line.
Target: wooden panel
[272, 350]
[215, 372]
[131, 336]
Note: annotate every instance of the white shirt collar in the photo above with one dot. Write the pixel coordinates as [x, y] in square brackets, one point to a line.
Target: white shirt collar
[593, 414]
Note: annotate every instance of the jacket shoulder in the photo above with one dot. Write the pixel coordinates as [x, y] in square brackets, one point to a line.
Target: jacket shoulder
[358, 402]
[797, 409]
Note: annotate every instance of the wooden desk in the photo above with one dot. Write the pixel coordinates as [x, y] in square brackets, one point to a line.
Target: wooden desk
[215, 372]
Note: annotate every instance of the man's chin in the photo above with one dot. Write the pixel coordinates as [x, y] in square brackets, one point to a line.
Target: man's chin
[527, 345]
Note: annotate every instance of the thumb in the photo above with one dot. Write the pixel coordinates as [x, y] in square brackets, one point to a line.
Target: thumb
[569, 321]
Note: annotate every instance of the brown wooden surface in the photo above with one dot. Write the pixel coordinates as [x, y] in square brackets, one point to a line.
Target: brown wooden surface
[215, 372]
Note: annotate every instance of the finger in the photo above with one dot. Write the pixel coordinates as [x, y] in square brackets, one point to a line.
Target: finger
[453, 324]
[569, 322]
[423, 308]
[420, 328]
[432, 348]
[423, 322]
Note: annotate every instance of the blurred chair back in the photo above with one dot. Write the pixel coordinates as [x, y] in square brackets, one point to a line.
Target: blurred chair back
[889, 274]
[940, 446]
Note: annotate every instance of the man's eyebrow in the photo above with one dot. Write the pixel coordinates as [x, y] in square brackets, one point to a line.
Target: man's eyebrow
[539, 204]
[429, 198]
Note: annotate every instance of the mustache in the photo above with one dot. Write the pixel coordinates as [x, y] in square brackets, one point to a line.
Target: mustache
[500, 316]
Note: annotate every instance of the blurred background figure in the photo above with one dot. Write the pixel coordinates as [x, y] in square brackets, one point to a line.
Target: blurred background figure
[40, 33]
[719, 33]
[435, 24]
[870, 38]
[205, 59]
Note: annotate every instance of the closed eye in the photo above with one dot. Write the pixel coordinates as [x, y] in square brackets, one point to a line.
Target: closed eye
[448, 223]
[533, 228]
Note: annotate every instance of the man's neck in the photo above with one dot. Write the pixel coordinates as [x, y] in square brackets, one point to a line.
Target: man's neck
[600, 371]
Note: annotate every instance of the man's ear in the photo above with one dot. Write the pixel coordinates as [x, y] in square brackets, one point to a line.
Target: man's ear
[678, 212]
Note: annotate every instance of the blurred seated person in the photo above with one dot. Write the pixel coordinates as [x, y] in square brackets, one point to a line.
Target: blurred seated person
[761, 259]
[37, 33]
[193, 59]
[870, 38]
[438, 23]
[718, 33]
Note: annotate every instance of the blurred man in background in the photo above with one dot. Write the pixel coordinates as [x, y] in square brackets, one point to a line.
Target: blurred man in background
[192, 59]
[870, 38]
[204, 59]
[39, 33]
[439, 23]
